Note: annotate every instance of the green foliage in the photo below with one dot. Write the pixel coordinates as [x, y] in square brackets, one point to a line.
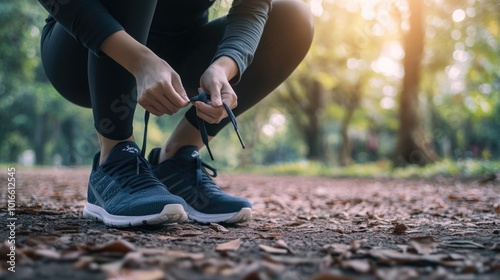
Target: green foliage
[356, 51]
[380, 169]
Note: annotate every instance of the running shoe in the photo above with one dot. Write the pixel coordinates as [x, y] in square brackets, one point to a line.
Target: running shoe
[187, 176]
[123, 191]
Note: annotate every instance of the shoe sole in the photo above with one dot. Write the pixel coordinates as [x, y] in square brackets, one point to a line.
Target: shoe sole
[244, 215]
[172, 213]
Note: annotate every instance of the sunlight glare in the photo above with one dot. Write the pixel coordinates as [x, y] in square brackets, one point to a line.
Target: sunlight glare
[352, 63]
[460, 55]
[387, 103]
[389, 91]
[316, 7]
[268, 130]
[453, 72]
[458, 15]
[388, 67]
[485, 89]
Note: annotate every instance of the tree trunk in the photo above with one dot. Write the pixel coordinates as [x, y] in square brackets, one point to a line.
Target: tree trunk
[306, 116]
[345, 153]
[40, 139]
[412, 147]
[314, 129]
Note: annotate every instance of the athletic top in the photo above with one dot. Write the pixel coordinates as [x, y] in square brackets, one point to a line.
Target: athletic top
[89, 22]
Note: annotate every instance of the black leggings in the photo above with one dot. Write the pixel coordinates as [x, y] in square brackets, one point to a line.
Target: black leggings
[106, 87]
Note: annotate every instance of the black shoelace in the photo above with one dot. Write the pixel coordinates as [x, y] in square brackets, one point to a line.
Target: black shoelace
[132, 174]
[203, 97]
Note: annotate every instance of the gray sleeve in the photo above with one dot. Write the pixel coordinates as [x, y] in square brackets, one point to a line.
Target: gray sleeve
[88, 21]
[245, 23]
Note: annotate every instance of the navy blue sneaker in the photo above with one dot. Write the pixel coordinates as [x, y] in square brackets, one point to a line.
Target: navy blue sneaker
[124, 192]
[186, 175]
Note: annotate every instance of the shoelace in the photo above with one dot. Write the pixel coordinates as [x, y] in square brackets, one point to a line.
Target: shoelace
[125, 170]
[203, 97]
[203, 176]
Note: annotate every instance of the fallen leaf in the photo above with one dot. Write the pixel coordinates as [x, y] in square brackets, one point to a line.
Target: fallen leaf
[191, 234]
[232, 245]
[218, 227]
[495, 247]
[290, 260]
[399, 228]
[465, 244]
[328, 276]
[336, 249]
[154, 274]
[272, 250]
[119, 246]
[47, 254]
[184, 255]
[391, 255]
[295, 223]
[357, 244]
[282, 244]
[360, 266]
[84, 262]
[424, 244]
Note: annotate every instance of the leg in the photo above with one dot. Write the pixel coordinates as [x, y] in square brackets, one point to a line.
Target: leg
[112, 88]
[122, 190]
[286, 40]
[284, 44]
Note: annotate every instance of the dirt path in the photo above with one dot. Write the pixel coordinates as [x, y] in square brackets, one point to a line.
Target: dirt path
[303, 228]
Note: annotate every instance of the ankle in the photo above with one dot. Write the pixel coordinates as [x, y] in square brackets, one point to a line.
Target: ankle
[166, 152]
[106, 145]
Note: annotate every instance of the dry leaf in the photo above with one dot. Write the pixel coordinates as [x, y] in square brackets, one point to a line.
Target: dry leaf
[119, 246]
[357, 244]
[360, 266]
[399, 228]
[465, 244]
[328, 276]
[295, 223]
[272, 250]
[424, 244]
[155, 274]
[496, 247]
[184, 255]
[84, 262]
[47, 254]
[232, 245]
[218, 227]
[289, 260]
[336, 249]
[282, 244]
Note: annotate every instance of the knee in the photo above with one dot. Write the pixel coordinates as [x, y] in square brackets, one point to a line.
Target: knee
[297, 15]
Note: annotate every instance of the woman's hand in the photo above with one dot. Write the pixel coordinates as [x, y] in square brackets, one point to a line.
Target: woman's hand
[215, 82]
[159, 87]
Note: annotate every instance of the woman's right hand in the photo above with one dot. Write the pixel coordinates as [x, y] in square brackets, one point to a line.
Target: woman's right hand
[159, 87]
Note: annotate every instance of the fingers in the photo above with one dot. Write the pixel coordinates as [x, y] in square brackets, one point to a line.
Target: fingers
[209, 113]
[164, 98]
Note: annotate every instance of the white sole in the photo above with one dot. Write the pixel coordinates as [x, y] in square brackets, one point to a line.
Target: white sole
[244, 215]
[172, 213]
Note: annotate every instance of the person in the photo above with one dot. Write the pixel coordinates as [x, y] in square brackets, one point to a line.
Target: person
[109, 55]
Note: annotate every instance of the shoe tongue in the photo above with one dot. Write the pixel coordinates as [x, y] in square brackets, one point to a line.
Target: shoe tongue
[124, 150]
[187, 153]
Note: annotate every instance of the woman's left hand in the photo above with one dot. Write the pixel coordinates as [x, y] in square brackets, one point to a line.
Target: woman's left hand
[215, 82]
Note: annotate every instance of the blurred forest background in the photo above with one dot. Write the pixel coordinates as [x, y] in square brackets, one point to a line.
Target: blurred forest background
[386, 83]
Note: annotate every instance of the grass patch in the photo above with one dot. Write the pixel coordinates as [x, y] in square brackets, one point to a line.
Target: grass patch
[380, 169]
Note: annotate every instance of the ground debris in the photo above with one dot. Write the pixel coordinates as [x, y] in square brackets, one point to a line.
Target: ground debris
[304, 228]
